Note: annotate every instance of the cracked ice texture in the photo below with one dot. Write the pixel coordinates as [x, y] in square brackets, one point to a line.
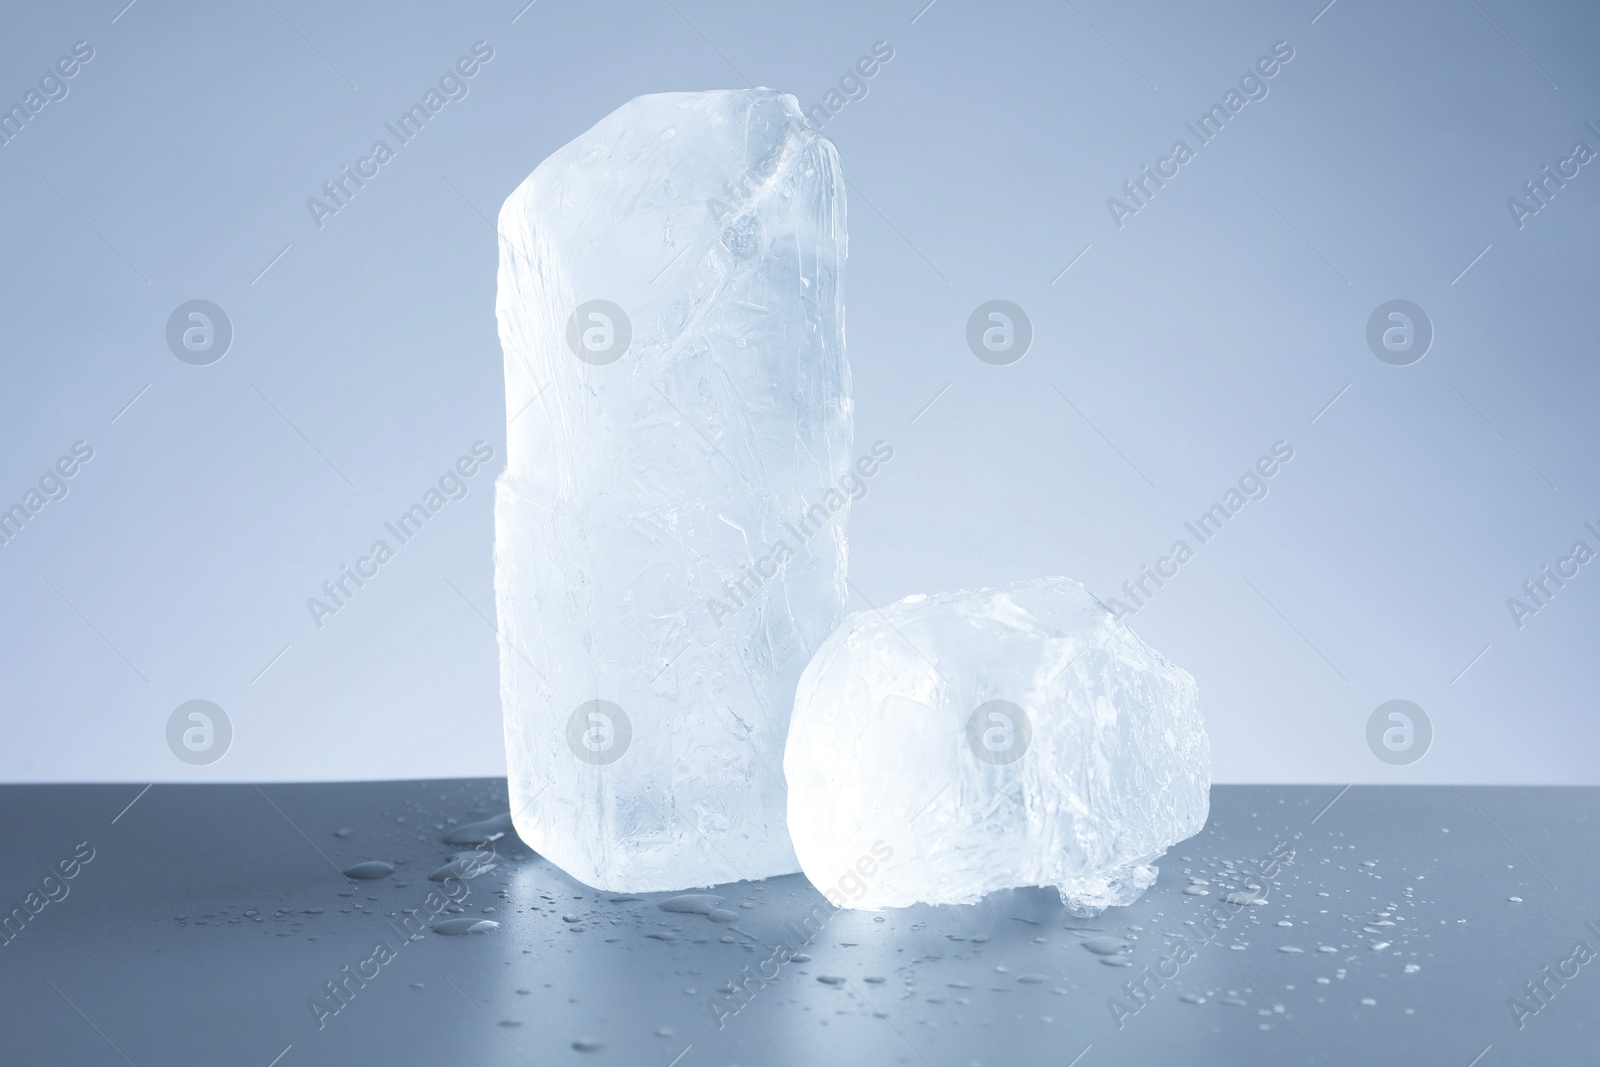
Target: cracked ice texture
[1117, 770]
[634, 491]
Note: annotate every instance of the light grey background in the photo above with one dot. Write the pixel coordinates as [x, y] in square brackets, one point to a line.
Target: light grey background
[1223, 317]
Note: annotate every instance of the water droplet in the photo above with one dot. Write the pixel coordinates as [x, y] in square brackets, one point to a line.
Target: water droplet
[699, 904]
[369, 870]
[583, 1044]
[1368, 1001]
[1196, 890]
[1515, 900]
[465, 865]
[1412, 968]
[662, 935]
[344, 831]
[830, 979]
[1106, 946]
[477, 833]
[1289, 948]
[454, 927]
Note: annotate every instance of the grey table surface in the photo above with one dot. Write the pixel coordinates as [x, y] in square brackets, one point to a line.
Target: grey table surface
[1402, 925]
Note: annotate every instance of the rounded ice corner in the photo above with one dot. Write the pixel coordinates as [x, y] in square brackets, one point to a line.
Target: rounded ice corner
[1084, 898]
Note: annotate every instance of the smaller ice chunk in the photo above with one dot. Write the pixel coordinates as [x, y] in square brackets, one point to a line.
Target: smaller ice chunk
[955, 744]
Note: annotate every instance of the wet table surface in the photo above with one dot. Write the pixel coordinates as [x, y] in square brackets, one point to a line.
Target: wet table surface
[211, 924]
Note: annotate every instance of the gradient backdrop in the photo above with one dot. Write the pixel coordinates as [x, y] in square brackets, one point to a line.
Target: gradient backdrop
[1223, 316]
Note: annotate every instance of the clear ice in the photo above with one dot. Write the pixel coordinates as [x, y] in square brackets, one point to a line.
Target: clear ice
[669, 529]
[956, 744]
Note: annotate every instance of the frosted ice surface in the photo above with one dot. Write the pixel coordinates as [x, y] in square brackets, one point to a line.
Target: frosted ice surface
[957, 744]
[677, 398]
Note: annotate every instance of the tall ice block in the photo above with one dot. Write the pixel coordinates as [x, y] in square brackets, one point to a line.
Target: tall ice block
[670, 526]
